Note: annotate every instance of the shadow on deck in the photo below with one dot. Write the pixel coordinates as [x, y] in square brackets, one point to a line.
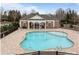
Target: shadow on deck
[48, 53]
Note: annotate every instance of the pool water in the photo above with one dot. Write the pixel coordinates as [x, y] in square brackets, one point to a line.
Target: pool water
[45, 40]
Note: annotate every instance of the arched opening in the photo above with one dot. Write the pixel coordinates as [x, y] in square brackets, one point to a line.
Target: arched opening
[36, 25]
[24, 24]
[49, 25]
[31, 25]
[42, 25]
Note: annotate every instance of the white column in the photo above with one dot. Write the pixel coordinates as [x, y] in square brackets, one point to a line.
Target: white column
[45, 24]
[39, 26]
[28, 24]
[53, 23]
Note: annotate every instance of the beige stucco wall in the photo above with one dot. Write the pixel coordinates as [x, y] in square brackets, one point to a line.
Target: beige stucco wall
[21, 23]
[57, 23]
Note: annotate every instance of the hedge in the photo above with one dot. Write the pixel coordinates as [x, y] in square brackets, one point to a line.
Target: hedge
[6, 29]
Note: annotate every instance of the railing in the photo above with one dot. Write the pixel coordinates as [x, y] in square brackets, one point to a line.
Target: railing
[3, 34]
[48, 53]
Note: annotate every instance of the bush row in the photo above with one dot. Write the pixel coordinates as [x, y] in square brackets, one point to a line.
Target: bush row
[6, 29]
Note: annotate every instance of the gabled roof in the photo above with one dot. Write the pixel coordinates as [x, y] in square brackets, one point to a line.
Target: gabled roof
[36, 17]
[39, 17]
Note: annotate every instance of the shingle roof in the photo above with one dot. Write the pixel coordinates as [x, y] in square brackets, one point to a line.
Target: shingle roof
[44, 16]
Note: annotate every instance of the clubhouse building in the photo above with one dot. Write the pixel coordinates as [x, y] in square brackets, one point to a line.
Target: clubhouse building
[39, 21]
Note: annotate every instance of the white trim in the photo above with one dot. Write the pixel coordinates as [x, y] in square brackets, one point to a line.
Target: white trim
[36, 17]
[39, 21]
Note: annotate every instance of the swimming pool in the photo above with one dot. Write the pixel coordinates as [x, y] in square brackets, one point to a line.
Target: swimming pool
[45, 40]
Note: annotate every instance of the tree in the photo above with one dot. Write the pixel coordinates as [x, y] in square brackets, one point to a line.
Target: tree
[67, 18]
[60, 14]
[10, 16]
[71, 16]
[18, 15]
[33, 11]
[4, 16]
[14, 15]
[74, 17]
[24, 15]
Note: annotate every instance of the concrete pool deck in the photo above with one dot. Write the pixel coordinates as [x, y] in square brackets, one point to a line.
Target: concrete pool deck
[10, 43]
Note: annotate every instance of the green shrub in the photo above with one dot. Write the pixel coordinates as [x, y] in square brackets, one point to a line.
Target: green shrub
[11, 26]
[4, 28]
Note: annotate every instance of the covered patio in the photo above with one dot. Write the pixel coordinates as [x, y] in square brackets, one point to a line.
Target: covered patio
[34, 24]
[39, 21]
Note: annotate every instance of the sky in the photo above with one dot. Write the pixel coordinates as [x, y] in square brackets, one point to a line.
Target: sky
[42, 8]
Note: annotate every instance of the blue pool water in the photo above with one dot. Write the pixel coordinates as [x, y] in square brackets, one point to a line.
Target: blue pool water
[45, 40]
